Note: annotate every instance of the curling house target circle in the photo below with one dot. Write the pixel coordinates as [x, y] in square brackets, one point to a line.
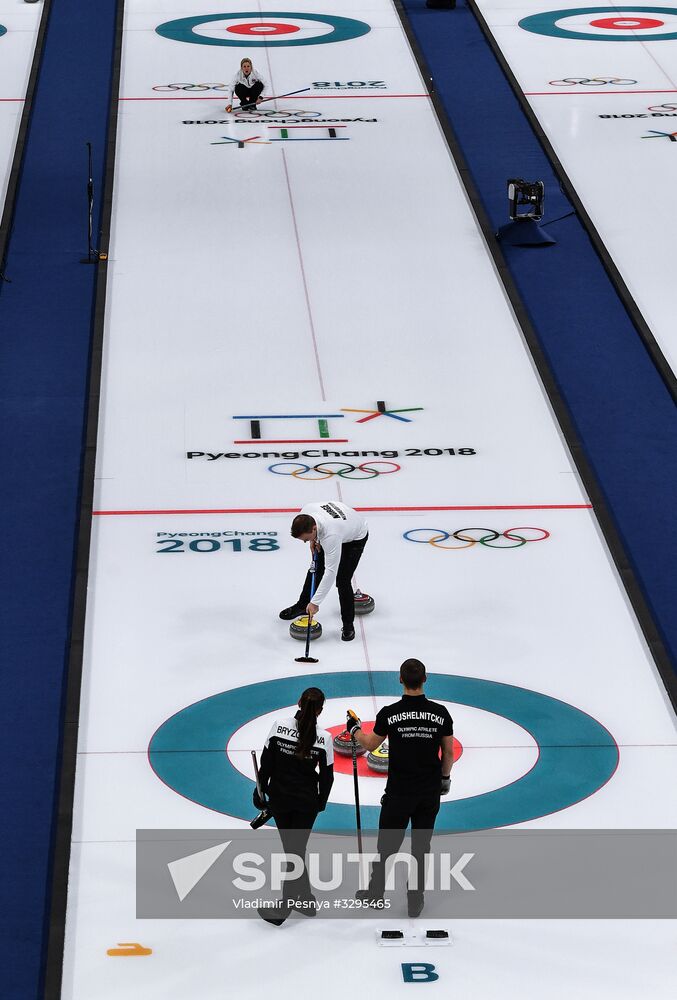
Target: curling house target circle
[626, 25]
[577, 755]
[263, 32]
[252, 30]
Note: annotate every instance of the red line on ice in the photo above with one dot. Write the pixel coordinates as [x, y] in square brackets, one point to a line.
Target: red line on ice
[322, 97]
[295, 510]
[295, 441]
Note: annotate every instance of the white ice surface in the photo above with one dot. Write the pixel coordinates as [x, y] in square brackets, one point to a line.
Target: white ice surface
[308, 278]
[16, 55]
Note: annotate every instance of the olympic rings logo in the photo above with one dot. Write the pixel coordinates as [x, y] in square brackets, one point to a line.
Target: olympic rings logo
[488, 536]
[250, 115]
[593, 81]
[345, 472]
[169, 87]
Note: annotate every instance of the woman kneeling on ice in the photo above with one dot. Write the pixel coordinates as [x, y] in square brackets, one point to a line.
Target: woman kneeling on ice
[248, 86]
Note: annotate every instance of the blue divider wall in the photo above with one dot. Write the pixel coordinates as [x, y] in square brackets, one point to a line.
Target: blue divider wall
[620, 407]
[46, 328]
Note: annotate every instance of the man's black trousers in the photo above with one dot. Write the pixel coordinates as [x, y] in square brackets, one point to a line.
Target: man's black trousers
[351, 553]
[397, 810]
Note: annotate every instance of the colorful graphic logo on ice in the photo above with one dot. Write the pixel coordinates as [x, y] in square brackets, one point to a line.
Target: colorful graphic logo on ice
[316, 430]
[322, 423]
[259, 29]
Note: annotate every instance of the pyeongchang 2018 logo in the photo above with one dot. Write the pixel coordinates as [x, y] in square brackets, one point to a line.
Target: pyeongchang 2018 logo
[282, 126]
[668, 110]
[349, 85]
[321, 429]
[227, 541]
[276, 118]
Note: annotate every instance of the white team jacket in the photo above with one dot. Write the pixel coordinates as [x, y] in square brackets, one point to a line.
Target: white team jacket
[336, 523]
[248, 81]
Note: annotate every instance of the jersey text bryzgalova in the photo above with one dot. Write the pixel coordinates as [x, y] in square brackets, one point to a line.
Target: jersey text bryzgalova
[295, 780]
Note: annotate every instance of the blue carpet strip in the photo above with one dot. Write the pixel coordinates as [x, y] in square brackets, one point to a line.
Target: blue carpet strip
[46, 315]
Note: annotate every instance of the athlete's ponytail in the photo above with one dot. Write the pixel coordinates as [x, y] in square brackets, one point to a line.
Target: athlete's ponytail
[311, 703]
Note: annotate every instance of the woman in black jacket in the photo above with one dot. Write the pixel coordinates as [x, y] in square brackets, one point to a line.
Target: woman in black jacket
[296, 775]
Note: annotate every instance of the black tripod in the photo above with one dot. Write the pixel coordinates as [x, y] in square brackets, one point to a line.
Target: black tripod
[93, 255]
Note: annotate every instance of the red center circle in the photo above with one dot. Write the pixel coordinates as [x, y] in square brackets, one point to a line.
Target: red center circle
[627, 23]
[344, 764]
[268, 28]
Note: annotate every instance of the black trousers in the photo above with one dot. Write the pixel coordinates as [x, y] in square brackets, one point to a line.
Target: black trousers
[351, 553]
[397, 811]
[248, 95]
[295, 825]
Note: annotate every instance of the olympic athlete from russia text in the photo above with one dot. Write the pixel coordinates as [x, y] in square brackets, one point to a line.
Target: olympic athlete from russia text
[248, 85]
[337, 536]
[296, 775]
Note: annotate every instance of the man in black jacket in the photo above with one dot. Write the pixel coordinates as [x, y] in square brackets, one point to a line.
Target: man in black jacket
[417, 729]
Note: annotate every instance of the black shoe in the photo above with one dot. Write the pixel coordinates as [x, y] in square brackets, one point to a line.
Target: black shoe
[305, 906]
[247, 107]
[368, 896]
[414, 904]
[292, 612]
[347, 633]
[276, 914]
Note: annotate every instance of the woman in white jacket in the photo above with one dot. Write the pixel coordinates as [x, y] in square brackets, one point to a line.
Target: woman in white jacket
[248, 86]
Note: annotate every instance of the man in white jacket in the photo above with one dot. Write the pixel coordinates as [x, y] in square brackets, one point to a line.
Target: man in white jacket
[337, 536]
[248, 85]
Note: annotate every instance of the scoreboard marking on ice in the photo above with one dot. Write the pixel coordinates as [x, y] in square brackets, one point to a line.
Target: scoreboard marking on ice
[577, 754]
